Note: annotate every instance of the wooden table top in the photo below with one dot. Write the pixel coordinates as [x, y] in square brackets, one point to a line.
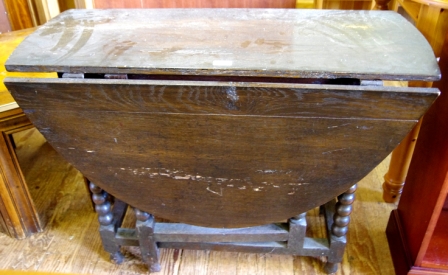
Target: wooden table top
[243, 42]
[233, 153]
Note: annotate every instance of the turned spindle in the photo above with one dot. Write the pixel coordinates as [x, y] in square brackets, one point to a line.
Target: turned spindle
[148, 246]
[401, 158]
[339, 228]
[103, 208]
[343, 209]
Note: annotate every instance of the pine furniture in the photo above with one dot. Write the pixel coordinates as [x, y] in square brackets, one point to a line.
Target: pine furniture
[18, 216]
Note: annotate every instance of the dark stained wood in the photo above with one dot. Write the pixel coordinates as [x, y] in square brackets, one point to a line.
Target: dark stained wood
[398, 244]
[108, 222]
[70, 242]
[179, 232]
[145, 229]
[297, 232]
[285, 238]
[216, 154]
[243, 42]
[343, 209]
[223, 153]
[336, 243]
[224, 98]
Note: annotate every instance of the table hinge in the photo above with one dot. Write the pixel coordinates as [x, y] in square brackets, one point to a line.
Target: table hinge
[72, 75]
[371, 83]
[116, 76]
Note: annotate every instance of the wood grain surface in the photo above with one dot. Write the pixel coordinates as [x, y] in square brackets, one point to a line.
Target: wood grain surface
[70, 242]
[220, 154]
[252, 42]
[426, 187]
[18, 215]
[19, 14]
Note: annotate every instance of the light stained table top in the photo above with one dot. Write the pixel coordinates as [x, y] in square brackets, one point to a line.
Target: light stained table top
[8, 42]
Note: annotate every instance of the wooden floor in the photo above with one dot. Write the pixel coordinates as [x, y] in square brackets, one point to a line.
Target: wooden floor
[70, 242]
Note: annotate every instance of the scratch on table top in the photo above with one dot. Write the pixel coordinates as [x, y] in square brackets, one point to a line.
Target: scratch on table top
[215, 192]
[336, 150]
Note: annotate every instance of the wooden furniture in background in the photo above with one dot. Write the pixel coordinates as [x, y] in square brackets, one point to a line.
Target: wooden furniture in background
[23, 14]
[107, 4]
[417, 230]
[344, 5]
[395, 177]
[200, 130]
[20, 14]
[381, 4]
[40, 11]
[430, 18]
[18, 216]
[318, 4]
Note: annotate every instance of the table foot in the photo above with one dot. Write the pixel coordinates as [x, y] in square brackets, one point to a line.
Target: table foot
[331, 267]
[107, 222]
[117, 257]
[343, 208]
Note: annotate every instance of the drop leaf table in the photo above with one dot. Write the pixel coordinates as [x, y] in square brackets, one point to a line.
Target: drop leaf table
[224, 121]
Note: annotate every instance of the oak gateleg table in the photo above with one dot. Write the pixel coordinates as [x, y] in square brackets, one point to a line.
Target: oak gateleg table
[227, 122]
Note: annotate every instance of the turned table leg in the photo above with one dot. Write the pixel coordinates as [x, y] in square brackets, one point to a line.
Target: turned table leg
[399, 164]
[108, 226]
[148, 246]
[339, 229]
[297, 232]
[18, 216]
